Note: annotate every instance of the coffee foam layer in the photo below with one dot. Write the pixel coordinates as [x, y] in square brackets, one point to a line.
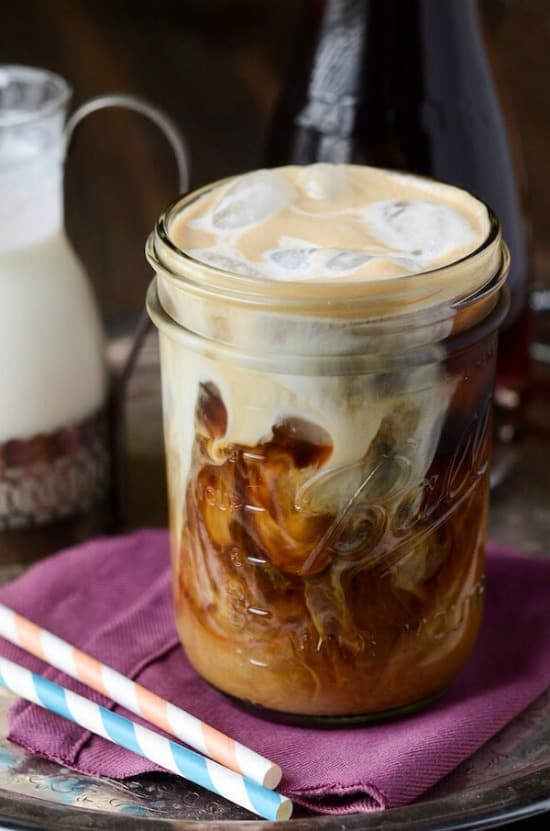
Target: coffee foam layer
[328, 222]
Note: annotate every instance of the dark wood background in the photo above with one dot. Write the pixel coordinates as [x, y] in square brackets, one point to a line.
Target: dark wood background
[216, 67]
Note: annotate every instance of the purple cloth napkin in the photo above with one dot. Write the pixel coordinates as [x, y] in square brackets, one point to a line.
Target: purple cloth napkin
[112, 598]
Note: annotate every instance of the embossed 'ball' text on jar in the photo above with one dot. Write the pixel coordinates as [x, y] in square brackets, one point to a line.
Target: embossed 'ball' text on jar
[332, 570]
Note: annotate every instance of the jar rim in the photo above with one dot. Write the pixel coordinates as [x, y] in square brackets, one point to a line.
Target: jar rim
[181, 272]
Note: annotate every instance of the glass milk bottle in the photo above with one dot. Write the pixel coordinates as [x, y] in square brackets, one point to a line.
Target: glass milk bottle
[53, 382]
[54, 388]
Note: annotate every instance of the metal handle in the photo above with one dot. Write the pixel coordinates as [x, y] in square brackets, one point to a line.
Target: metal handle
[138, 105]
[123, 369]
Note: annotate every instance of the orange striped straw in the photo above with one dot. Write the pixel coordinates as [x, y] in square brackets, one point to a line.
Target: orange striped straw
[139, 700]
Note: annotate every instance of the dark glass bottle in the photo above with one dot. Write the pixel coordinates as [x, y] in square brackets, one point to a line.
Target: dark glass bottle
[407, 84]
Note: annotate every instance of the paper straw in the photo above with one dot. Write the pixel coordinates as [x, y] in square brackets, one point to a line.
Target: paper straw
[125, 733]
[139, 700]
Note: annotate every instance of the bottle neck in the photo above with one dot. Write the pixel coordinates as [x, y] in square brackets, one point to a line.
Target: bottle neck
[334, 85]
[336, 70]
[379, 62]
[451, 36]
[405, 43]
[395, 38]
[370, 68]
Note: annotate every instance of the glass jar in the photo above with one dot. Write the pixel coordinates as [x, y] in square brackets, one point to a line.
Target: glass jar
[327, 451]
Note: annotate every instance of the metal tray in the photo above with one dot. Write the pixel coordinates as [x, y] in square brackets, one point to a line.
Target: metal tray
[508, 778]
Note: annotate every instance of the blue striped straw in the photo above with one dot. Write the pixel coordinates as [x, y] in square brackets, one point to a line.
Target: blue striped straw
[143, 702]
[125, 733]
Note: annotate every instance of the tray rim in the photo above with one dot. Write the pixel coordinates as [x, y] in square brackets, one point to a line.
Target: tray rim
[516, 798]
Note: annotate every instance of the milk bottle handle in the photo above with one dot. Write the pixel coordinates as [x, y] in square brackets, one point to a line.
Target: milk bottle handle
[121, 374]
[138, 105]
[178, 145]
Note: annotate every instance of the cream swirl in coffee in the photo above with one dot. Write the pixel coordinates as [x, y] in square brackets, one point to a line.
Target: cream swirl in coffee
[334, 229]
[330, 222]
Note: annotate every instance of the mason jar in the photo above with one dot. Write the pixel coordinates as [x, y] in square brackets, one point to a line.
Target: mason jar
[327, 449]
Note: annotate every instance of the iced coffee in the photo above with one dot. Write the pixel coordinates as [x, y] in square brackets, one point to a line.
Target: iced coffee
[328, 338]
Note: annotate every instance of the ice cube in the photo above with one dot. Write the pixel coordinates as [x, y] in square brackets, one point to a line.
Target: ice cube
[228, 262]
[426, 230]
[252, 199]
[324, 181]
[291, 259]
[348, 260]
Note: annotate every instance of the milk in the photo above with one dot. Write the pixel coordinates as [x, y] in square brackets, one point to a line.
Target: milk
[52, 372]
[51, 344]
